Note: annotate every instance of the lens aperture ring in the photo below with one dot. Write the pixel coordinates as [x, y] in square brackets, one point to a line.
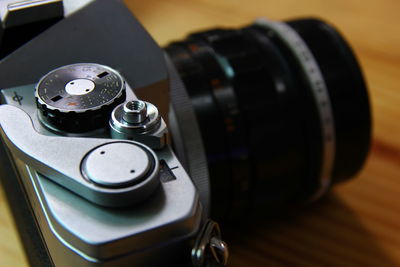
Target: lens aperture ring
[227, 49]
[235, 132]
[211, 124]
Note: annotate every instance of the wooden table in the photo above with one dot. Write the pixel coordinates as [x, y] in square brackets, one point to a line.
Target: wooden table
[358, 224]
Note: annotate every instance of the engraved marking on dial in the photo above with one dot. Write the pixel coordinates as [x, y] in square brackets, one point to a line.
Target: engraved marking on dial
[80, 87]
[17, 98]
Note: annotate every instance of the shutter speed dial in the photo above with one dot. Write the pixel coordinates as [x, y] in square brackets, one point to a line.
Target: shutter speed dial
[78, 98]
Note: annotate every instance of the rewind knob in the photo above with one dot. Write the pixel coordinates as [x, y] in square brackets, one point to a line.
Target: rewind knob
[79, 98]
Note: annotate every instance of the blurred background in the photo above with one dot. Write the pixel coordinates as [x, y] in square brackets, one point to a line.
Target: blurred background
[358, 223]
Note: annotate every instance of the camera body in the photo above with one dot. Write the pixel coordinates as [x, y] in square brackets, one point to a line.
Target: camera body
[64, 213]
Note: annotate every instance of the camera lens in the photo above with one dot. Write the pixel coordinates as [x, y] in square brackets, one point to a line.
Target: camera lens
[283, 111]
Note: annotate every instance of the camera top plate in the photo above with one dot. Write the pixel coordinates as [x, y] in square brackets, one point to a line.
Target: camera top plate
[173, 210]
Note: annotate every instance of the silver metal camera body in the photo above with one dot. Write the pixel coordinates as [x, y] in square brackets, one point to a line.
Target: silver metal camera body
[79, 232]
[83, 195]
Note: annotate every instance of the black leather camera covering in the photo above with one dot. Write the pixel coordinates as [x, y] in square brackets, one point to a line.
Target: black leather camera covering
[103, 32]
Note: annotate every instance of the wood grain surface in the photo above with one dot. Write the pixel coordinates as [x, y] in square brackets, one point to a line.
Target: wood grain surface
[358, 224]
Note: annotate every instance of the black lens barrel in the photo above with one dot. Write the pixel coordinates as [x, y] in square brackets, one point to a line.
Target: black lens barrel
[258, 119]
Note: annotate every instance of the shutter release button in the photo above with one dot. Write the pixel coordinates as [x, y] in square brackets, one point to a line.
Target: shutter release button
[117, 164]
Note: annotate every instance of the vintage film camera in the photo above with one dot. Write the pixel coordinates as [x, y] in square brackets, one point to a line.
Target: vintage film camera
[117, 152]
